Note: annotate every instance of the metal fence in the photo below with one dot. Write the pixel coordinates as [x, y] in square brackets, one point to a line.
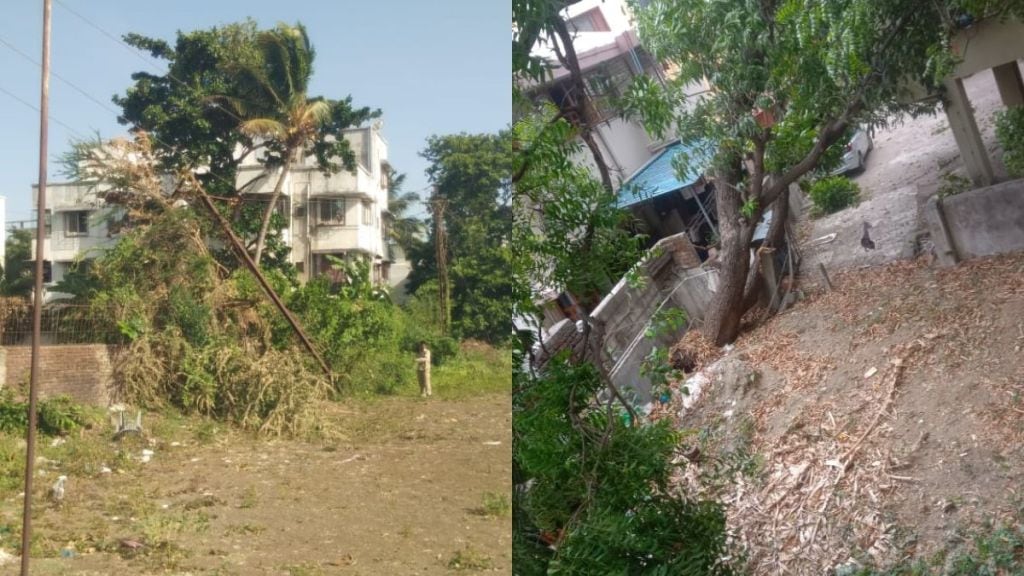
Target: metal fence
[61, 324]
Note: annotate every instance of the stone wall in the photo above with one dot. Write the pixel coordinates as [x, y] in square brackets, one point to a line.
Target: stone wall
[981, 222]
[82, 371]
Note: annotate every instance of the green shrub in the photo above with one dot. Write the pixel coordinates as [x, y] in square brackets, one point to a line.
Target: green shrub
[833, 193]
[57, 416]
[1010, 133]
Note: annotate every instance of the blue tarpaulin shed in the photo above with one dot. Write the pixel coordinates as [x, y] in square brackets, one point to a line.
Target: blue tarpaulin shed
[657, 177]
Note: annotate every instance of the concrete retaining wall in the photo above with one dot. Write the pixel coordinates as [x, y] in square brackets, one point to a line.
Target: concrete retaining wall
[82, 371]
[674, 279]
[981, 222]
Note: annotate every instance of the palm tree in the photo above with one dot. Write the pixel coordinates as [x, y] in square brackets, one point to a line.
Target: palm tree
[275, 106]
[405, 229]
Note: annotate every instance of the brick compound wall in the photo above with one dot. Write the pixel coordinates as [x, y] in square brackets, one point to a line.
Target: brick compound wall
[82, 371]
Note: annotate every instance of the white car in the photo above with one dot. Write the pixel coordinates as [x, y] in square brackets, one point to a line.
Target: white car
[856, 151]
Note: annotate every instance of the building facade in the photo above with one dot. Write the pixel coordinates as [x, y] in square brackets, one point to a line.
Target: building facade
[343, 215]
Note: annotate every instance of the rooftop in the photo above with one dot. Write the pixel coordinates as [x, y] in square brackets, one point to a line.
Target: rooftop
[658, 176]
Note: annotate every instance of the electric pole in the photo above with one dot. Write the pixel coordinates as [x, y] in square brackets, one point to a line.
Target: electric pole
[438, 205]
[37, 307]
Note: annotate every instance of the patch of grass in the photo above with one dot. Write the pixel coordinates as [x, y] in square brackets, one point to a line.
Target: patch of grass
[495, 505]
[469, 559]
[480, 370]
[165, 527]
[206, 431]
[952, 184]
[250, 498]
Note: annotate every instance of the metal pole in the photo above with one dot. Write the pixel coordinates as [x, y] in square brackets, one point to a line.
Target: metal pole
[37, 308]
[243, 254]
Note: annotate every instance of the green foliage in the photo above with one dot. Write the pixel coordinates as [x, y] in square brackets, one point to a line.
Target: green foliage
[60, 415]
[749, 208]
[834, 193]
[213, 81]
[569, 234]
[57, 416]
[1010, 133]
[607, 484]
[471, 172]
[18, 271]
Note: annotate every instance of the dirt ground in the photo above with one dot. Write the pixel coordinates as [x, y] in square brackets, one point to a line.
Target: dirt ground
[872, 423]
[405, 486]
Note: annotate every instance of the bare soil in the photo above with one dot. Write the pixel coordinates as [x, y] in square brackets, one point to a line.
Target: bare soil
[403, 486]
[883, 418]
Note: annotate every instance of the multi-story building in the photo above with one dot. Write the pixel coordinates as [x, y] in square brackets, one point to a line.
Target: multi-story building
[341, 215]
[610, 56]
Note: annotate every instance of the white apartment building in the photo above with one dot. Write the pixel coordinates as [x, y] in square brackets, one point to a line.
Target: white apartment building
[610, 57]
[342, 215]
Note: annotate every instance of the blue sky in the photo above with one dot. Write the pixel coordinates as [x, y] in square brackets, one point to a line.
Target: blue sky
[432, 67]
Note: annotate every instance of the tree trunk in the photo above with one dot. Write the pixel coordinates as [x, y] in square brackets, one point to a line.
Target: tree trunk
[722, 321]
[269, 212]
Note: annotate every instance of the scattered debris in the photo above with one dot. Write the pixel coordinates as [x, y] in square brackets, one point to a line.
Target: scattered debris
[57, 490]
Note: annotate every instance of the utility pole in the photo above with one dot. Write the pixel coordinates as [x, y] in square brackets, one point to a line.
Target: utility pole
[37, 308]
[439, 204]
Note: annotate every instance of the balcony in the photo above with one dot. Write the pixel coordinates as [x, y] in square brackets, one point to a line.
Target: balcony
[326, 238]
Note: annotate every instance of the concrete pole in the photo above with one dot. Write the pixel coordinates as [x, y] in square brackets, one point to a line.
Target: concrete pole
[37, 295]
[1009, 83]
[965, 130]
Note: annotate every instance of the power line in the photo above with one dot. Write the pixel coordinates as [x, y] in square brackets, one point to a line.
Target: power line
[36, 108]
[98, 102]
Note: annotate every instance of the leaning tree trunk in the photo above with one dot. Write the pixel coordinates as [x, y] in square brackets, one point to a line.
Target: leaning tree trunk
[269, 212]
[722, 321]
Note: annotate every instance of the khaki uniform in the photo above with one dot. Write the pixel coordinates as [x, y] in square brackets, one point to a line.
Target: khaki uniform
[423, 371]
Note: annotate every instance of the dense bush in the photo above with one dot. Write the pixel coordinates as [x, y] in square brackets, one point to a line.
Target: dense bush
[1010, 133]
[833, 193]
[57, 416]
[605, 485]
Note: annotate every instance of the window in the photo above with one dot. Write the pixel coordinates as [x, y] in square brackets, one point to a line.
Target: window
[606, 84]
[590, 21]
[48, 218]
[367, 213]
[332, 212]
[76, 223]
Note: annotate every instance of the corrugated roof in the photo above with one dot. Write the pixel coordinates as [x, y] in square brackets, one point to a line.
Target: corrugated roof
[657, 177]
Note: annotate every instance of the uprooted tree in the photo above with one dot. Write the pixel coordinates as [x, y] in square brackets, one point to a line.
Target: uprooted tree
[788, 79]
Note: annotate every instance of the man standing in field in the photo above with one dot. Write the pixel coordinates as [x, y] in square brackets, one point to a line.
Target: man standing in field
[423, 369]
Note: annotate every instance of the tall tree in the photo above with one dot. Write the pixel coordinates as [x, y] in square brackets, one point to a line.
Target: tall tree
[17, 272]
[274, 104]
[200, 113]
[471, 171]
[788, 78]
[405, 228]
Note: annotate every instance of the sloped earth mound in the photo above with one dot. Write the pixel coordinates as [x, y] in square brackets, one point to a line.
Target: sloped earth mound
[870, 424]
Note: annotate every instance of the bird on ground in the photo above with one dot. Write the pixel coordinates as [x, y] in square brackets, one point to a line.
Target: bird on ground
[866, 240]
